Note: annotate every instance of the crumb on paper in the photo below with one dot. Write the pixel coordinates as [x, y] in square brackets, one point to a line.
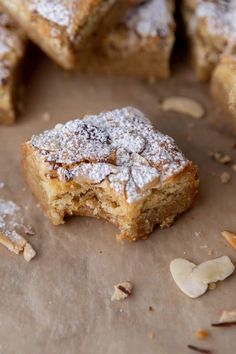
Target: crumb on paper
[2, 185]
[122, 291]
[212, 286]
[150, 308]
[28, 253]
[210, 252]
[151, 335]
[46, 116]
[220, 157]
[225, 177]
[202, 334]
[230, 237]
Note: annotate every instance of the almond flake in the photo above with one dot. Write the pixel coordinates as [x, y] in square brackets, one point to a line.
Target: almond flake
[228, 316]
[230, 238]
[183, 105]
[28, 253]
[213, 270]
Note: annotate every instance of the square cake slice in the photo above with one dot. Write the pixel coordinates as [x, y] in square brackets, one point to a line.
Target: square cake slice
[139, 45]
[115, 166]
[60, 27]
[212, 31]
[12, 51]
[223, 89]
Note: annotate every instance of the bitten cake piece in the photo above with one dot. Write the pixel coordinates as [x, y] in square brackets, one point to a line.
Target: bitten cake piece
[139, 45]
[223, 89]
[59, 27]
[114, 165]
[211, 27]
[12, 50]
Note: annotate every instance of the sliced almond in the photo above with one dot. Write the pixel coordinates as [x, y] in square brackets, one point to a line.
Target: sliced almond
[181, 271]
[213, 270]
[228, 316]
[183, 105]
[230, 238]
[122, 291]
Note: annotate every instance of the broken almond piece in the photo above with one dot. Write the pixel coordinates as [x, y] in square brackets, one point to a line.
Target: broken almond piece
[228, 317]
[213, 270]
[181, 271]
[122, 291]
[183, 105]
[230, 238]
[28, 253]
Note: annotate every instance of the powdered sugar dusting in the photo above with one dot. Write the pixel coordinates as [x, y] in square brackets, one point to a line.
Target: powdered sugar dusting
[11, 46]
[119, 146]
[151, 18]
[56, 11]
[220, 17]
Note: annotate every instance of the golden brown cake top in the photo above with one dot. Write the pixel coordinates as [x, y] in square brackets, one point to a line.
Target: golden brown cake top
[69, 15]
[150, 18]
[120, 147]
[219, 16]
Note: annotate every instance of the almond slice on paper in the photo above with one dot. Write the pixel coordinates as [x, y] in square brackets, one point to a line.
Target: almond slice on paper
[228, 316]
[181, 271]
[230, 237]
[213, 270]
[183, 105]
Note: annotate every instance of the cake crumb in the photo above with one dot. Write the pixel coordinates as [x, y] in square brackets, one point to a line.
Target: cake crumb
[220, 157]
[202, 334]
[122, 291]
[151, 335]
[225, 177]
[46, 116]
[212, 286]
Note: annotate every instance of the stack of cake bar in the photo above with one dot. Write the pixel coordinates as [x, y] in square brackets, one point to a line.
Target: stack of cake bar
[127, 37]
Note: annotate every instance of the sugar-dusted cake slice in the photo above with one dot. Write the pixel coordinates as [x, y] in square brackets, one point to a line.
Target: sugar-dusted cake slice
[223, 89]
[115, 166]
[211, 28]
[139, 45]
[60, 27]
[12, 50]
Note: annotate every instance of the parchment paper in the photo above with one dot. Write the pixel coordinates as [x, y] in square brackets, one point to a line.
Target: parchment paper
[60, 302]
